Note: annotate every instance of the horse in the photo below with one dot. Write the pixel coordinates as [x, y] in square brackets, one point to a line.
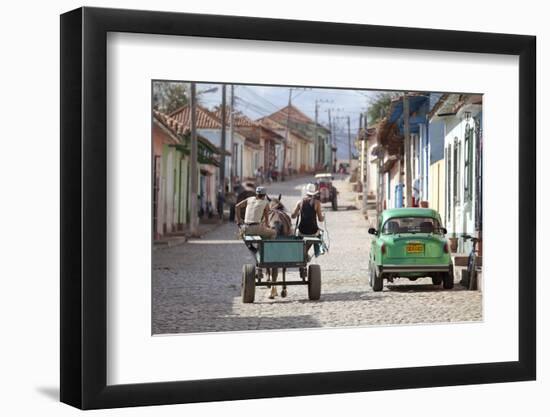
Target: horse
[279, 221]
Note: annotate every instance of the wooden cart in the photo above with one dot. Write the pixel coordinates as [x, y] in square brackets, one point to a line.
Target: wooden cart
[270, 255]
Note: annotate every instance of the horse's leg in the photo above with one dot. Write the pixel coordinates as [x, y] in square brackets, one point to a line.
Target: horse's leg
[274, 273]
[283, 292]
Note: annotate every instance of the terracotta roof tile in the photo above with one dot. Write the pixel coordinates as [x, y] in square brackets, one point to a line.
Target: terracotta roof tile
[295, 115]
[274, 125]
[205, 118]
[179, 128]
[170, 122]
[239, 119]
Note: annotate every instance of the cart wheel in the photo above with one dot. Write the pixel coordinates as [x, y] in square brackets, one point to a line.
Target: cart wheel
[248, 287]
[335, 203]
[314, 282]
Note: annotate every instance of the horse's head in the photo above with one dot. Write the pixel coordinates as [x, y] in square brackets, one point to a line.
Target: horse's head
[275, 204]
[278, 219]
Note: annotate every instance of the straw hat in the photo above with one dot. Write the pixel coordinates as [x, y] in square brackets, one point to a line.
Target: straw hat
[311, 189]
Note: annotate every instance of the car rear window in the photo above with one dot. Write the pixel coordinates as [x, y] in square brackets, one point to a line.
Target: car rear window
[399, 225]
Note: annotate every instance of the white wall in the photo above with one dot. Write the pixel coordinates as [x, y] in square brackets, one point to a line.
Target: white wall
[169, 209]
[462, 217]
[30, 255]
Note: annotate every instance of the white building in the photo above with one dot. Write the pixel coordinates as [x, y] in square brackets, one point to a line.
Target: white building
[462, 117]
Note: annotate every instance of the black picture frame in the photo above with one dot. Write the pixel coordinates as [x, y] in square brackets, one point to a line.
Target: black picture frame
[84, 207]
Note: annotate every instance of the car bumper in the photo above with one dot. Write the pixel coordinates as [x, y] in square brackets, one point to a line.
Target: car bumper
[412, 268]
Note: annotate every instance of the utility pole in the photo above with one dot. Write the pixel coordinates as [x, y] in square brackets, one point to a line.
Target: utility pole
[407, 153]
[331, 142]
[194, 221]
[315, 147]
[286, 133]
[365, 167]
[223, 146]
[231, 131]
[349, 142]
[362, 155]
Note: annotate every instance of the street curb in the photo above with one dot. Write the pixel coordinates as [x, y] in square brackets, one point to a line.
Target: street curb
[170, 243]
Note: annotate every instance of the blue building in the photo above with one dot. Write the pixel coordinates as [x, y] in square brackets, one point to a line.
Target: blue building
[426, 147]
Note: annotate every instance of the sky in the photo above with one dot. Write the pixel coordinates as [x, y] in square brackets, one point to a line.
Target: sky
[258, 101]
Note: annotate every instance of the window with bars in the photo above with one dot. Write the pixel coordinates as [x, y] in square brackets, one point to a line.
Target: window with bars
[448, 180]
[468, 163]
[456, 171]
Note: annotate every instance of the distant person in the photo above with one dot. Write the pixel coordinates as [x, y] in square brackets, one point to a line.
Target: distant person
[259, 175]
[256, 215]
[416, 192]
[269, 173]
[220, 201]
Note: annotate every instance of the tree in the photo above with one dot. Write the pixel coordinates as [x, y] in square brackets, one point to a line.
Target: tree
[380, 105]
[169, 96]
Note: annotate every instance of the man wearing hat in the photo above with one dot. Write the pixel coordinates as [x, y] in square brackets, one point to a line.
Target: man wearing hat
[256, 215]
[309, 210]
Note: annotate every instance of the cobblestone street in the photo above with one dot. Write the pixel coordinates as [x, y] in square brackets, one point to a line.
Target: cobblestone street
[196, 286]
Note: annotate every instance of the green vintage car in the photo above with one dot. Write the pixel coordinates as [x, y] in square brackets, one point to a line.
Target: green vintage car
[410, 243]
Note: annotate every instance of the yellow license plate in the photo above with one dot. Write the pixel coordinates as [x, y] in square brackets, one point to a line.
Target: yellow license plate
[415, 248]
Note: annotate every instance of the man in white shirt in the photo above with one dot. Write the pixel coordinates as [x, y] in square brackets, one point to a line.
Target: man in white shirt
[256, 215]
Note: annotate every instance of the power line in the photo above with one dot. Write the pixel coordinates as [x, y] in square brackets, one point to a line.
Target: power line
[255, 94]
[277, 107]
[264, 113]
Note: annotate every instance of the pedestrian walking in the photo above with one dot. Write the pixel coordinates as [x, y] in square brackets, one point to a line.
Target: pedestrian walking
[259, 179]
[416, 192]
[269, 173]
[256, 215]
[220, 201]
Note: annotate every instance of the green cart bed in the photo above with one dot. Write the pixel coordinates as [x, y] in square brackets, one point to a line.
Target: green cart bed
[270, 255]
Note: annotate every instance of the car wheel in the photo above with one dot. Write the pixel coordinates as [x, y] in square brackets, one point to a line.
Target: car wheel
[437, 279]
[334, 203]
[370, 275]
[449, 279]
[472, 284]
[377, 281]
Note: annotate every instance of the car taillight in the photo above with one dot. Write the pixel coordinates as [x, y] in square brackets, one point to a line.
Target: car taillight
[383, 249]
[446, 247]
